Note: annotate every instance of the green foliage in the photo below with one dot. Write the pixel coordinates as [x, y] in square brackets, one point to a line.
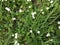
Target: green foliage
[19, 18]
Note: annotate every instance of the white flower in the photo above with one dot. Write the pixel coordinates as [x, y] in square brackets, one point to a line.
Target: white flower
[30, 31]
[48, 0]
[33, 15]
[13, 0]
[13, 18]
[18, 44]
[51, 1]
[42, 12]
[30, 6]
[12, 34]
[5, 0]
[2, 0]
[52, 5]
[58, 22]
[58, 27]
[38, 32]
[51, 39]
[47, 8]
[28, 0]
[8, 9]
[15, 43]
[16, 35]
[48, 34]
[20, 10]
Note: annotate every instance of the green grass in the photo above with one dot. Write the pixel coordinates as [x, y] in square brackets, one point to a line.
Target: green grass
[45, 21]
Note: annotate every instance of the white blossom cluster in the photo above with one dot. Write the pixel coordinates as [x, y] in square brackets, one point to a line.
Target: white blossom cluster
[47, 8]
[9, 10]
[51, 2]
[38, 32]
[42, 11]
[15, 41]
[33, 13]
